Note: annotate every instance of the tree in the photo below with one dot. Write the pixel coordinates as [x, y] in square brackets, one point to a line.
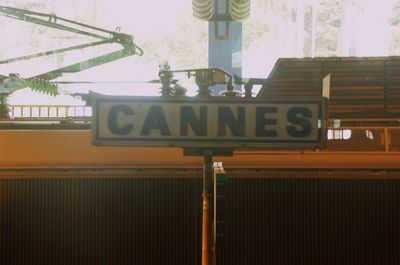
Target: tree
[395, 30]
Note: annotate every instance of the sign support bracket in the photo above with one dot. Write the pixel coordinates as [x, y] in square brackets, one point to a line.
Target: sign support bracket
[208, 248]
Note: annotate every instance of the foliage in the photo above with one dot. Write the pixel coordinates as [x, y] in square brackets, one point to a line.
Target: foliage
[327, 35]
[395, 30]
[396, 17]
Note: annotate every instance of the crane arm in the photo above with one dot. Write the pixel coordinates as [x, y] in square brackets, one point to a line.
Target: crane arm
[103, 36]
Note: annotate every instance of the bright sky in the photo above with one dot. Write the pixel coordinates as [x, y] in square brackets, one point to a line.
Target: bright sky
[150, 21]
[138, 18]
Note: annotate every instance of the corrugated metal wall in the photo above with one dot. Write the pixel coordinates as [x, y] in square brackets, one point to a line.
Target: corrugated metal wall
[157, 221]
[100, 221]
[306, 221]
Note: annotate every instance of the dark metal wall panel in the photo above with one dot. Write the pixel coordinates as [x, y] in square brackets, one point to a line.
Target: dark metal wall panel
[312, 221]
[158, 221]
[270, 220]
[100, 221]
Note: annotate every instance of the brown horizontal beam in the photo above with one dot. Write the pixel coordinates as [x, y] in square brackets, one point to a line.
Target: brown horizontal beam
[72, 149]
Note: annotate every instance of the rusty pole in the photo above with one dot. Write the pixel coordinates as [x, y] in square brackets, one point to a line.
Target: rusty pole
[207, 256]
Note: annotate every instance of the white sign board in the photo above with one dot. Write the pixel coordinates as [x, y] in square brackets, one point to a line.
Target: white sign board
[207, 122]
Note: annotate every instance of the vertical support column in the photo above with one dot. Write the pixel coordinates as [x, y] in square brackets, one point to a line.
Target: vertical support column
[224, 44]
[386, 136]
[207, 256]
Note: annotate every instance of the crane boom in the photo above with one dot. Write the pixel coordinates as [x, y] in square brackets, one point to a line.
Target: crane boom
[103, 36]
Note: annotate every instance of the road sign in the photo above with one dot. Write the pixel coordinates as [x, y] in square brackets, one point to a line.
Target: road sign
[207, 122]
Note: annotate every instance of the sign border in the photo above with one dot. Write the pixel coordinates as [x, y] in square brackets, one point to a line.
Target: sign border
[97, 99]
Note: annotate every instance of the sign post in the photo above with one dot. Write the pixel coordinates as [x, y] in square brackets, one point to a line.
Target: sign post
[208, 248]
[208, 126]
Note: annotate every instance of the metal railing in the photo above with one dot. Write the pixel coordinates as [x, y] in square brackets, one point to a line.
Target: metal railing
[49, 111]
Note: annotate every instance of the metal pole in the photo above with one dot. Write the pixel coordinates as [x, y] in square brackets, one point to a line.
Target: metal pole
[207, 239]
[3, 107]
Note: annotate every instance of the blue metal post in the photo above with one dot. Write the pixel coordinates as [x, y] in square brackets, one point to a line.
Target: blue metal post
[225, 45]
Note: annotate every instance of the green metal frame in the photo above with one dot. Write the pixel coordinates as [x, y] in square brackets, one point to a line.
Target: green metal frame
[50, 20]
